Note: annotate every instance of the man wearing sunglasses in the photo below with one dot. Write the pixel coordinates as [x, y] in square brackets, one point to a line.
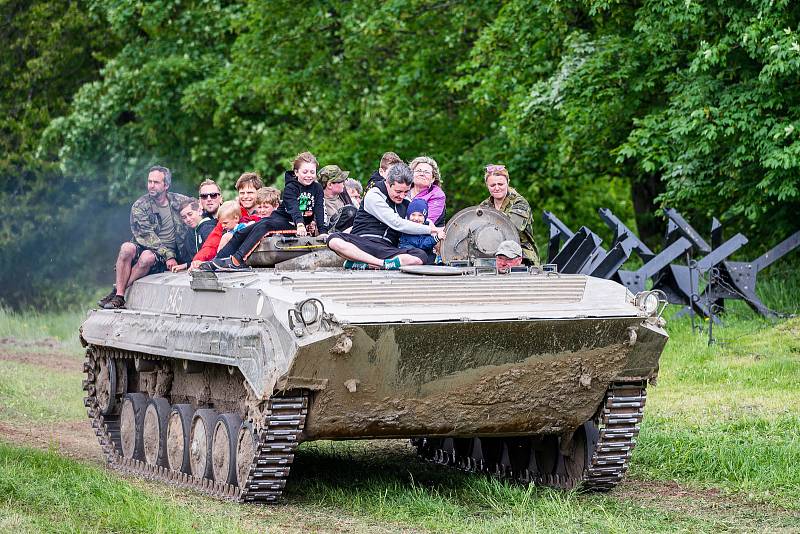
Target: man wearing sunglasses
[210, 198]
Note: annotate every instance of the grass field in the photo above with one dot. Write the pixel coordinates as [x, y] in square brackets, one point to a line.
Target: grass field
[718, 451]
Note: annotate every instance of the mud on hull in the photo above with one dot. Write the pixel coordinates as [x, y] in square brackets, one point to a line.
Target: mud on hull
[563, 412]
[471, 379]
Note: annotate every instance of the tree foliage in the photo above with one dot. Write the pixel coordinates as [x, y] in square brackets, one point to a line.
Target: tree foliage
[592, 103]
[50, 50]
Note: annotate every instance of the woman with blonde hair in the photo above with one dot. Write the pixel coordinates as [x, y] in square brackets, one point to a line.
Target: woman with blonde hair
[428, 187]
[514, 206]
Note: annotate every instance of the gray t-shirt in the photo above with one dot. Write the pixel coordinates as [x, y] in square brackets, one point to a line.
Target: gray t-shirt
[166, 231]
[332, 205]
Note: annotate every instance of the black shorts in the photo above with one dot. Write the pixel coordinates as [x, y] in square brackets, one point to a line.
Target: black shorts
[378, 247]
[159, 266]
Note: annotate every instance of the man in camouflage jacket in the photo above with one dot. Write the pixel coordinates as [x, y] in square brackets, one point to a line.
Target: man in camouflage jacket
[158, 234]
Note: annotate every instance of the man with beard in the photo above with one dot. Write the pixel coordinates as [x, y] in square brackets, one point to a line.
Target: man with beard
[210, 199]
[158, 234]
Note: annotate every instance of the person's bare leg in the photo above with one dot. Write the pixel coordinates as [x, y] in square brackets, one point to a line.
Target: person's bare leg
[126, 254]
[408, 259]
[352, 252]
[146, 260]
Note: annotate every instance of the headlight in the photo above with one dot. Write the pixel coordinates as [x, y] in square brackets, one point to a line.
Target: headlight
[648, 302]
[309, 311]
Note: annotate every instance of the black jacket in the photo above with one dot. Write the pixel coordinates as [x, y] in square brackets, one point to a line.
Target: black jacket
[374, 179]
[195, 237]
[206, 226]
[303, 204]
[367, 225]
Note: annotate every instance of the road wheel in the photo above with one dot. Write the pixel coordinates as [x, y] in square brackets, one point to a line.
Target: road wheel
[245, 452]
[131, 423]
[155, 431]
[200, 448]
[583, 444]
[106, 384]
[223, 447]
[179, 429]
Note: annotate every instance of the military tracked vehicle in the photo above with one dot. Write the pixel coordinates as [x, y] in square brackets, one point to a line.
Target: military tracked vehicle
[212, 380]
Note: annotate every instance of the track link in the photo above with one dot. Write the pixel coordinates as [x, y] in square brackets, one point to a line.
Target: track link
[277, 437]
[615, 427]
[620, 417]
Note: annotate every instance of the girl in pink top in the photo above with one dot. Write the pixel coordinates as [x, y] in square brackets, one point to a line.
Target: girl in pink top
[428, 187]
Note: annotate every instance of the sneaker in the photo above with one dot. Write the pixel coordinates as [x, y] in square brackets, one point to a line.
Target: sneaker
[207, 266]
[391, 264]
[116, 302]
[103, 301]
[355, 265]
[226, 264]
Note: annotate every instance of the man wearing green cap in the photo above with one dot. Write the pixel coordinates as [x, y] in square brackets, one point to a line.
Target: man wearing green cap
[332, 179]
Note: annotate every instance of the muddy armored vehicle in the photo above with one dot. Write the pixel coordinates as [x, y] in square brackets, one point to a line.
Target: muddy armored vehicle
[212, 380]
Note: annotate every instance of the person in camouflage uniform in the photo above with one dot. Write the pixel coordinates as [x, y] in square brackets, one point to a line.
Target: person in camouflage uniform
[514, 206]
[158, 234]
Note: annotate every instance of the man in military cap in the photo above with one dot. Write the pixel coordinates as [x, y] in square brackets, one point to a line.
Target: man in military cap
[333, 178]
[508, 255]
[158, 234]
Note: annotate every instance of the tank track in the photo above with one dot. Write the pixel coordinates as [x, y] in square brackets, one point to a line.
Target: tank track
[276, 440]
[610, 444]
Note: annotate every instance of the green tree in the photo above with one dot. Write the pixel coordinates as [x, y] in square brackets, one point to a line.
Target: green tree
[692, 104]
[50, 50]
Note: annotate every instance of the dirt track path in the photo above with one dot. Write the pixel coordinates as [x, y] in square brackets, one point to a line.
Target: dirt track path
[48, 360]
[73, 439]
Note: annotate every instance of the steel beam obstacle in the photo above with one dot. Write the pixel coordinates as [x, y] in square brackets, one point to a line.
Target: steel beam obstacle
[677, 270]
[582, 252]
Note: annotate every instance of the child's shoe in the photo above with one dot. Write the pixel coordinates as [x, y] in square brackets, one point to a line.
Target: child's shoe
[230, 264]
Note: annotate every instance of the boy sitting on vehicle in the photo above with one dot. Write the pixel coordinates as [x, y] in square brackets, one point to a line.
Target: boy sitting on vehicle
[192, 216]
[229, 215]
[267, 200]
[303, 204]
[418, 213]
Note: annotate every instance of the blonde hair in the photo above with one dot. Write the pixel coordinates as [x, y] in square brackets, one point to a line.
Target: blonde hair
[304, 157]
[209, 181]
[496, 170]
[229, 208]
[268, 195]
[437, 178]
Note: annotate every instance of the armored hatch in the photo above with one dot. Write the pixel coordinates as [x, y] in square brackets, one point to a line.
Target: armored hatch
[475, 233]
[275, 249]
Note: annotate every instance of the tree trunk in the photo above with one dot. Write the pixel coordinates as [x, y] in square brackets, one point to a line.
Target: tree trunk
[649, 223]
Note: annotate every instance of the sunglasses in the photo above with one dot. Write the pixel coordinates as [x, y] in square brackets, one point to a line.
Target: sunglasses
[495, 168]
[208, 195]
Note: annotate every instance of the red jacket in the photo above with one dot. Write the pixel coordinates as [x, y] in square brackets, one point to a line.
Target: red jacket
[209, 249]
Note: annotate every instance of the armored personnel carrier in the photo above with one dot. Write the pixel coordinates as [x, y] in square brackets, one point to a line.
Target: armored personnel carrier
[212, 380]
